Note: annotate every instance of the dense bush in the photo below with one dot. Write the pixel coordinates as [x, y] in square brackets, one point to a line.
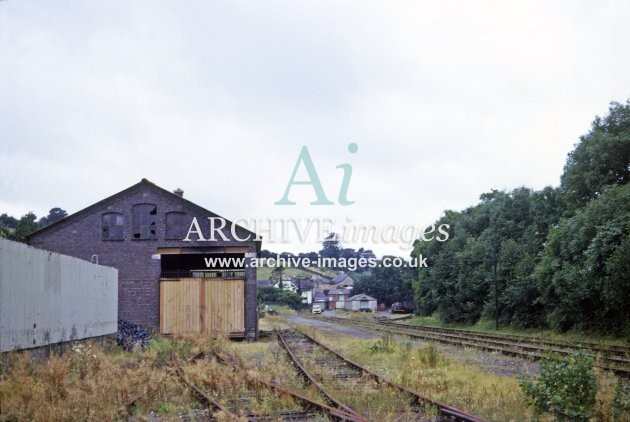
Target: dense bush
[507, 228]
[621, 402]
[584, 274]
[272, 295]
[564, 388]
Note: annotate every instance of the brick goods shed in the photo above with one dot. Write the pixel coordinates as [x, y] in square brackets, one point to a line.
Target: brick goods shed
[164, 282]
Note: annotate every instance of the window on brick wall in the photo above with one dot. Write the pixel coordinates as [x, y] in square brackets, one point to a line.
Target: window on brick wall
[143, 222]
[176, 225]
[112, 227]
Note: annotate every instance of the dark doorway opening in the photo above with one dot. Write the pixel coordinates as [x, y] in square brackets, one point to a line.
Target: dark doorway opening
[203, 265]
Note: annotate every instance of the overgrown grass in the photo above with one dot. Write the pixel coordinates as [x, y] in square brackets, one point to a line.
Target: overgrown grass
[377, 402]
[269, 361]
[93, 382]
[283, 310]
[427, 371]
[495, 397]
[231, 389]
[90, 382]
[269, 322]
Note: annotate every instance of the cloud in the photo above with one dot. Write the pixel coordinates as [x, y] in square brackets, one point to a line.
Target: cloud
[446, 100]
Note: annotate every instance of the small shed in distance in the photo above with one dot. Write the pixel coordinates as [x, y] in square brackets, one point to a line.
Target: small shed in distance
[361, 302]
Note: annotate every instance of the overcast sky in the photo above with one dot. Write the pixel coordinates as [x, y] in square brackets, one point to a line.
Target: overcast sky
[445, 100]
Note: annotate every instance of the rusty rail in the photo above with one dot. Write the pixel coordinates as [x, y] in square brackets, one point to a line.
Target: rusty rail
[336, 414]
[204, 396]
[449, 412]
[609, 350]
[329, 397]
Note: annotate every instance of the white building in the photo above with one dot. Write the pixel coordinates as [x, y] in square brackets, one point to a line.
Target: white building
[286, 284]
[361, 302]
[307, 297]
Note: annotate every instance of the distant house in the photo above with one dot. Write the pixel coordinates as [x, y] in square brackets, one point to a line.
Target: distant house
[342, 280]
[361, 302]
[306, 286]
[337, 298]
[287, 283]
[335, 291]
[305, 283]
[307, 296]
[325, 287]
[321, 299]
[318, 281]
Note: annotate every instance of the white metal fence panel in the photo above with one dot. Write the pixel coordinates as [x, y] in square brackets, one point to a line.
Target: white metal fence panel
[46, 297]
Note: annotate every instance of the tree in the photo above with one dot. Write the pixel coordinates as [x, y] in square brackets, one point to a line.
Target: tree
[311, 256]
[546, 270]
[25, 226]
[386, 284]
[584, 274]
[331, 247]
[54, 215]
[276, 275]
[268, 254]
[489, 259]
[8, 221]
[347, 253]
[367, 255]
[600, 159]
[271, 295]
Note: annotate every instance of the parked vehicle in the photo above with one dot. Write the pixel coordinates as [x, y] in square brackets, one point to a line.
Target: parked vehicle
[317, 309]
[405, 307]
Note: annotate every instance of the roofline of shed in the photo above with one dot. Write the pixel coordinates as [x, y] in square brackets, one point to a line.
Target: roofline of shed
[144, 182]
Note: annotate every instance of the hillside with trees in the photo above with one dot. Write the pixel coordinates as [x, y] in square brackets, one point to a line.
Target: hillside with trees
[557, 258]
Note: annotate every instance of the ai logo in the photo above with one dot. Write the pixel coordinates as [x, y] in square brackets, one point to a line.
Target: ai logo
[313, 179]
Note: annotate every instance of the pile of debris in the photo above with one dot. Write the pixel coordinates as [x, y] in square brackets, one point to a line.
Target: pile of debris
[131, 335]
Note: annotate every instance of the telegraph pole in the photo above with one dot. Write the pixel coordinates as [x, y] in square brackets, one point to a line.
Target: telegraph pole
[495, 261]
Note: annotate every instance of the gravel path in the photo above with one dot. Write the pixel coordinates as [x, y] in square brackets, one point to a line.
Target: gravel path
[492, 362]
[338, 328]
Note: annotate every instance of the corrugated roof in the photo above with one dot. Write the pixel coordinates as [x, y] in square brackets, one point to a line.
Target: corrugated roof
[360, 296]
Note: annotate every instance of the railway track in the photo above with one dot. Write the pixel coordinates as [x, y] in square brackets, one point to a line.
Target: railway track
[613, 359]
[203, 395]
[610, 350]
[357, 390]
[235, 407]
